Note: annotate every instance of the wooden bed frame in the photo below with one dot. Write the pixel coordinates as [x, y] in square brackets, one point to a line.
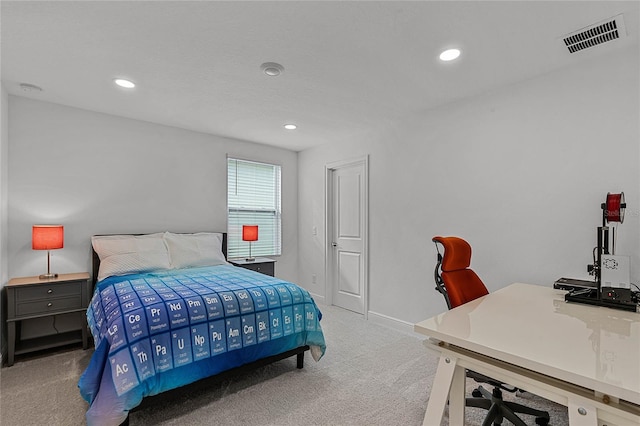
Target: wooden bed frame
[206, 382]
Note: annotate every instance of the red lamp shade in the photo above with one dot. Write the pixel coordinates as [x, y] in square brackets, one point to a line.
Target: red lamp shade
[249, 232]
[47, 237]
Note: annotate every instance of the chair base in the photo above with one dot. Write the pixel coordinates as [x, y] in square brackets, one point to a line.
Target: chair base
[499, 409]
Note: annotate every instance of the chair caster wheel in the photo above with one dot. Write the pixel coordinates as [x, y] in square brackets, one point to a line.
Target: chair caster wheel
[542, 421]
[476, 393]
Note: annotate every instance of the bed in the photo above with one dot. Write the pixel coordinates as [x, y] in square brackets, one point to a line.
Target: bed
[168, 310]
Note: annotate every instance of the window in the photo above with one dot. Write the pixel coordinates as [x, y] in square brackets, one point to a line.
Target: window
[253, 198]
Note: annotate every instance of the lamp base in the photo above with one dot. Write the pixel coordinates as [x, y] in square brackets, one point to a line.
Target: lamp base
[250, 259]
[48, 276]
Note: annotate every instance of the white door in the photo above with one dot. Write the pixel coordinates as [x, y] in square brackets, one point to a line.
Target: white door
[347, 232]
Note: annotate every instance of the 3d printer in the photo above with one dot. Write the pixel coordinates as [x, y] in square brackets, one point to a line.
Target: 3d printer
[612, 286]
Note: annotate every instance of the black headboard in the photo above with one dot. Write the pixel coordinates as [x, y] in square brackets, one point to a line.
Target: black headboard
[95, 260]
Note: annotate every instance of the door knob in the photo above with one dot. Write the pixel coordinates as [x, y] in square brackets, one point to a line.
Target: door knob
[334, 244]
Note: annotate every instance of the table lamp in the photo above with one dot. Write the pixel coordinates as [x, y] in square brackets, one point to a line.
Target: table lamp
[250, 233]
[47, 237]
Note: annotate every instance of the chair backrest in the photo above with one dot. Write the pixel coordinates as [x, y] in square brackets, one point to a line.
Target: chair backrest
[457, 283]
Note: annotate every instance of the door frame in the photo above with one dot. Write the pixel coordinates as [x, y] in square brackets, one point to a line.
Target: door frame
[329, 226]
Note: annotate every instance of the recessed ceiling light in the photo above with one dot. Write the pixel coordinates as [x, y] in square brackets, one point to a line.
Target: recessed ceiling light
[272, 69]
[290, 126]
[449, 54]
[124, 83]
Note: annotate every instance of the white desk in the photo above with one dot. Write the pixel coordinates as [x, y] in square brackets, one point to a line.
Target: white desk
[585, 357]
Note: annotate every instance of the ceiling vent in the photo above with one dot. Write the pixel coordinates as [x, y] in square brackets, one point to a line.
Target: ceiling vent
[593, 35]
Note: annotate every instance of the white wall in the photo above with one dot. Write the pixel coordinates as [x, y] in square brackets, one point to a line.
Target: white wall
[96, 174]
[4, 215]
[519, 172]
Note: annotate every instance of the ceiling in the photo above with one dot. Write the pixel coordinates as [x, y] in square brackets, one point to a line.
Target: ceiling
[350, 68]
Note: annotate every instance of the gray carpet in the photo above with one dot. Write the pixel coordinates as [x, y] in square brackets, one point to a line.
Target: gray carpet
[370, 375]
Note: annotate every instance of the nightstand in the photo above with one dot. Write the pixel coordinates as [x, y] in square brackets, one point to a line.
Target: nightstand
[263, 265]
[31, 297]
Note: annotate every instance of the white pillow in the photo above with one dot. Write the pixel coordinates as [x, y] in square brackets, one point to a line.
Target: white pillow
[129, 254]
[193, 250]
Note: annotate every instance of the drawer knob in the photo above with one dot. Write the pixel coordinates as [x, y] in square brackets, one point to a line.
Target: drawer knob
[50, 291]
[49, 305]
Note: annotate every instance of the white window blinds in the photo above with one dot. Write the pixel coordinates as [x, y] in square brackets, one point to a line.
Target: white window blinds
[253, 198]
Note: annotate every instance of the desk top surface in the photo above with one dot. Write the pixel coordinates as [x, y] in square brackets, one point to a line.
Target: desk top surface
[533, 327]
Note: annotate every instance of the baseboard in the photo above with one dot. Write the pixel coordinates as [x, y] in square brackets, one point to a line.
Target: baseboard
[394, 324]
[403, 327]
[320, 300]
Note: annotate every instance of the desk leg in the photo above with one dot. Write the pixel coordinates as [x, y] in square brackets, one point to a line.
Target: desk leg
[582, 414]
[457, 397]
[440, 390]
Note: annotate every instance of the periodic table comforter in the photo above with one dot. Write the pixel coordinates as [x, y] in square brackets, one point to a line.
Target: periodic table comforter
[159, 331]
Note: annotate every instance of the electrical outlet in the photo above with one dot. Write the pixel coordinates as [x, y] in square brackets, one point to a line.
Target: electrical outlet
[313, 278]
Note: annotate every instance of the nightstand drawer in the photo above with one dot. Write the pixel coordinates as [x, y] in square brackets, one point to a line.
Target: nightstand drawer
[264, 268]
[48, 290]
[49, 306]
[264, 265]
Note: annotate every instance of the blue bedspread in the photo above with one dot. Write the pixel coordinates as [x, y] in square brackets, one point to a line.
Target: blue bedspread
[159, 331]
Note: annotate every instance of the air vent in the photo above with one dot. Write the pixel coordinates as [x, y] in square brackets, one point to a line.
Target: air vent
[593, 35]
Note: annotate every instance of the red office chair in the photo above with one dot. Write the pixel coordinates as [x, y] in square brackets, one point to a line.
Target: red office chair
[459, 285]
